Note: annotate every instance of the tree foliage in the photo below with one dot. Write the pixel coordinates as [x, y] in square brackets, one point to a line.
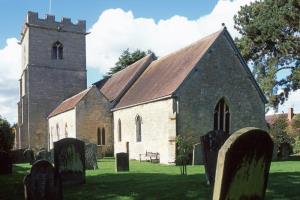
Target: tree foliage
[184, 145]
[279, 131]
[127, 58]
[6, 135]
[270, 41]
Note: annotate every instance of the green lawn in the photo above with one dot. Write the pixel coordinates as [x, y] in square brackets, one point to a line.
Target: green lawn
[153, 181]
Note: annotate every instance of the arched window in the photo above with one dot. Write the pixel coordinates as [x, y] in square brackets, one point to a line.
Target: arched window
[101, 136]
[66, 130]
[57, 51]
[119, 130]
[138, 124]
[222, 116]
[57, 131]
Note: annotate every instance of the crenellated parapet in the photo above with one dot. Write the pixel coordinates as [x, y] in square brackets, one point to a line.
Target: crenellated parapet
[66, 25]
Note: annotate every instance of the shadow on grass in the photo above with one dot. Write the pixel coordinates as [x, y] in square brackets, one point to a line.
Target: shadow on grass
[290, 158]
[141, 186]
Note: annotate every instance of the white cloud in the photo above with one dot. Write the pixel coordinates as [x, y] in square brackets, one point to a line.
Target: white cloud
[116, 30]
[292, 102]
[10, 65]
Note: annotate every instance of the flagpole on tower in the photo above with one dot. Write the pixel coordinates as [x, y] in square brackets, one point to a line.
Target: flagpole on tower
[50, 5]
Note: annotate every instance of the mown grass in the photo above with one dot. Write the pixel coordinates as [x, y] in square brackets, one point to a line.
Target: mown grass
[153, 181]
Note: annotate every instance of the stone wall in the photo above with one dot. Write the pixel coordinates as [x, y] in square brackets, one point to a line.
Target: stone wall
[93, 112]
[219, 74]
[61, 126]
[158, 130]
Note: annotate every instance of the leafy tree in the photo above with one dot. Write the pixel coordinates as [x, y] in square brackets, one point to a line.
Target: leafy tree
[6, 135]
[184, 145]
[271, 42]
[127, 58]
[294, 128]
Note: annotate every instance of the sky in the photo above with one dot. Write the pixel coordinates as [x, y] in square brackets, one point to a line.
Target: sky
[113, 26]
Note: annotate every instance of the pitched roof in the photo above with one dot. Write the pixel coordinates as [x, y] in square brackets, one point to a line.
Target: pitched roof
[69, 103]
[118, 83]
[166, 74]
[270, 119]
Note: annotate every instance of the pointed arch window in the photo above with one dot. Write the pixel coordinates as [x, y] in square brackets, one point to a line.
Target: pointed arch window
[138, 124]
[222, 116]
[119, 130]
[101, 136]
[57, 51]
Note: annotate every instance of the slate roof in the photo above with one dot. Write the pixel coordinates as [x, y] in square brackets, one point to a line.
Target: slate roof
[69, 103]
[118, 83]
[166, 74]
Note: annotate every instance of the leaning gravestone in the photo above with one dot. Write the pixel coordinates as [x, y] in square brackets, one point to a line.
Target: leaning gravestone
[197, 154]
[42, 183]
[5, 163]
[91, 156]
[211, 143]
[122, 162]
[243, 165]
[29, 156]
[69, 161]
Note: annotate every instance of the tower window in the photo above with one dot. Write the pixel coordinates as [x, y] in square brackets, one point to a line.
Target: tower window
[222, 116]
[57, 51]
[138, 124]
[119, 130]
[101, 136]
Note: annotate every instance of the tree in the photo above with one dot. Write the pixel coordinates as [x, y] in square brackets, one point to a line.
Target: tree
[294, 128]
[127, 58]
[6, 135]
[271, 43]
[184, 145]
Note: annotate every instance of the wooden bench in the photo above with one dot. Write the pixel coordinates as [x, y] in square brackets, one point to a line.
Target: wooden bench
[150, 156]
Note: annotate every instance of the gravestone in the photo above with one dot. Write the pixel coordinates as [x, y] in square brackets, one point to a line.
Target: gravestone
[69, 161]
[5, 163]
[29, 156]
[197, 154]
[17, 156]
[211, 143]
[91, 156]
[43, 154]
[42, 183]
[243, 165]
[122, 162]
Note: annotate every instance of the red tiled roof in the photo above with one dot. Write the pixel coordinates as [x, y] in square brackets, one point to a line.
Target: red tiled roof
[166, 74]
[270, 119]
[69, 103]
[122, 80]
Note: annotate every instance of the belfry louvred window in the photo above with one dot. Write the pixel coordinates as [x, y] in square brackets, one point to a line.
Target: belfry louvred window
[222, 116]
[57, 51]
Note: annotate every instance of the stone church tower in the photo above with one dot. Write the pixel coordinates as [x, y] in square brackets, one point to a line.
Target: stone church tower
[53, 69]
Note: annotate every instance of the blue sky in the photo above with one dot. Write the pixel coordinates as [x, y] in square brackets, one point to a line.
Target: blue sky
[114, 25]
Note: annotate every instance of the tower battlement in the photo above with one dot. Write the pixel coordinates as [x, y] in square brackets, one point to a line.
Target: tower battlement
[49, 22]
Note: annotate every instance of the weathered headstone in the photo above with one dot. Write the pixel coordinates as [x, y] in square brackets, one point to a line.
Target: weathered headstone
[42, 183]
[5, 163]
[69, 161]
[43, 154]
[17, 156]
[197, 154]
[243, 165]
[29, 156]
[211, 143]
[91, 156]
[122, 162]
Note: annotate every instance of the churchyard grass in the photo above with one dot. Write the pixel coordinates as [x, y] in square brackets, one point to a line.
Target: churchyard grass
[153, 181]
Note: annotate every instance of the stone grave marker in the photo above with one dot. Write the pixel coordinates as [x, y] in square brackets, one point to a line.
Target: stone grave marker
[5, 163]
[69, 161]
[122, 162]
[43, 154]
[211, 143]
[243, 165]
[42, 183]
[91, 156]
[197, 154]
[17, 156]
[29, 156]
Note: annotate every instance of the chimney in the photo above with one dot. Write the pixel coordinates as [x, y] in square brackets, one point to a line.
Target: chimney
[290, 114]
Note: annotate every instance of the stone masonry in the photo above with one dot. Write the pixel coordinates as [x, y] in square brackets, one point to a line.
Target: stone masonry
[45, 82]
